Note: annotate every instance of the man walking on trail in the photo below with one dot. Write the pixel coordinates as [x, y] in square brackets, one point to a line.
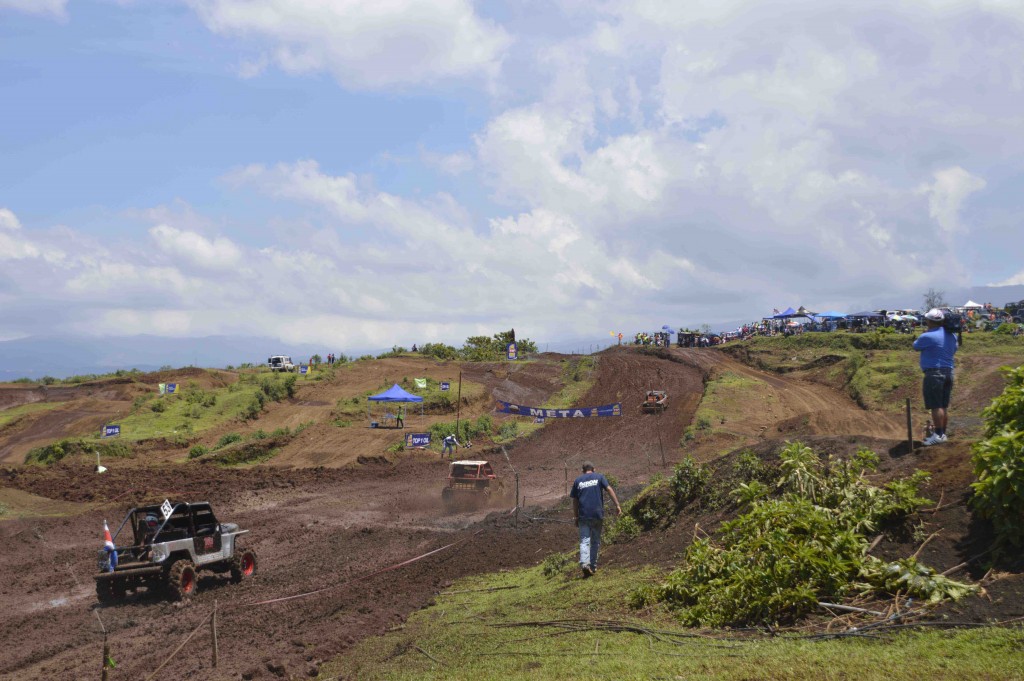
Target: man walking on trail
[400, 417]
[937, 346]
[450, 445]
[588, 510]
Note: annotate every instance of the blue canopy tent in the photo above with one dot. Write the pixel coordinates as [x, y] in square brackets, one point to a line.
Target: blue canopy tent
[866, 315]
[786, 314]
[831, 315]
[393, 394]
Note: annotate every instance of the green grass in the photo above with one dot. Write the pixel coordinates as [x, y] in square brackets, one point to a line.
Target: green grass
[464, 633]
[11, 415]
[722, 395]
[182, 418]
[435, 400]
[877, 371]
[578, 375]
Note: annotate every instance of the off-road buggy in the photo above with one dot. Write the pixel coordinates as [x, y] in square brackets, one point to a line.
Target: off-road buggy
[169, 544]
[655, 401]
[470, 484]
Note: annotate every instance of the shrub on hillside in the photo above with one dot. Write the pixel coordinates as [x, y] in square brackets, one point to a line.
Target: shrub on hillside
[439, 351]
[999, 462]
[227, 439]
[278, 388]
[56, 451]
[252, 408]
[197, 451]
[773, 563]
[468, 429]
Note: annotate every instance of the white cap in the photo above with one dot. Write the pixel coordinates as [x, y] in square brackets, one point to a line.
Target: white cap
[935, 315]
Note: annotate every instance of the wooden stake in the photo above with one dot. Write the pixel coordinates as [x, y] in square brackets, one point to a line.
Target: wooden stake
[910, 429]
[458, 406]
[106, 646]
[213, 628]
[106, 656]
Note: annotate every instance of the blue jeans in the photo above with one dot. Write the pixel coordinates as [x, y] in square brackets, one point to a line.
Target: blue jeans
[590, 541]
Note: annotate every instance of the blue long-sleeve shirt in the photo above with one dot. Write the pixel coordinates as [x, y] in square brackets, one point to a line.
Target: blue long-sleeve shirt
[937, 348]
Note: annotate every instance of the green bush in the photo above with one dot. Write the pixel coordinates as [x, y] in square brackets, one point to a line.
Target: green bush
[556, 563]
[508, 430]
[468, 429]
[227, 439]
[198, 451]
[56, 451]
[160, 406]
[439, 351]
[622, 529]
[999, 463]
[689, 480]
[251, 409]
[278, 388]
[773, 563]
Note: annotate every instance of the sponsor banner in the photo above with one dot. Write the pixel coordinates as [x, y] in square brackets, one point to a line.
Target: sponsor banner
[512, 351]
[172, 388]
[111, 431]
[574, 413]
[417, 440]
[420, 382]
[163, 388]
[303, 369]
[445, 385]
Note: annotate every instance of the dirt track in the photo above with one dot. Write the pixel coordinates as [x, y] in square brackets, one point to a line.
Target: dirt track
[317, 528]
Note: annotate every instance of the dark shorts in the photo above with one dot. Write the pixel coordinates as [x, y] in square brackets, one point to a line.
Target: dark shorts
[938, 387]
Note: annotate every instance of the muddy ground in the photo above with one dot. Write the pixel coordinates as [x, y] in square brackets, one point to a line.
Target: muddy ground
[333, 530]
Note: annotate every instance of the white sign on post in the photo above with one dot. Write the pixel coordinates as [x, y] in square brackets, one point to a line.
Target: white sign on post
[166, 509]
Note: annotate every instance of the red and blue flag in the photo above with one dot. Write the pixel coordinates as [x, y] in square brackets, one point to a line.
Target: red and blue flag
[108, 544]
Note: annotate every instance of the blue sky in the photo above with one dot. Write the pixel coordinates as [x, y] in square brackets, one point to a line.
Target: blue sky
[378, 173]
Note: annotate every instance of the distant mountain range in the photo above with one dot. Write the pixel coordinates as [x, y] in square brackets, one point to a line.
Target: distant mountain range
[63, 356]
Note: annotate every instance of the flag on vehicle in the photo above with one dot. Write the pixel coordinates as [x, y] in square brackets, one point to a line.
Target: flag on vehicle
[108, 544]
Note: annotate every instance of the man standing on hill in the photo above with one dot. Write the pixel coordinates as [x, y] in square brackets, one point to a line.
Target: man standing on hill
[588, 510]
[937, 346]
[451, 445]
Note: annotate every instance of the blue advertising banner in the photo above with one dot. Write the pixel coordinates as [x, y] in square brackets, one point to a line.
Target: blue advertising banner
[445, 385]
[172, 388]
[512, 351]
[417, 440]
[574, 413]
[111, 431]
[303, 369]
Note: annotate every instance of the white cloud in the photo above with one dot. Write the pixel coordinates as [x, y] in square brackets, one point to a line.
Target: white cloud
[54, 8]
[367, 45]
[8, 220]
[947, 194]
[218, 253]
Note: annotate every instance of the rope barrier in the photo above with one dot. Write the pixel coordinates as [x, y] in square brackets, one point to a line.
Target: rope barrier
[361, 577]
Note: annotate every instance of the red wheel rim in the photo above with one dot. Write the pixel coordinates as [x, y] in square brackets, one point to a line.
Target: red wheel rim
[248, 564]
[188, 581]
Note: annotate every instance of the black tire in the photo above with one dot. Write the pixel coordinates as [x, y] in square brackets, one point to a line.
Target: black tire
[243, 565]
[109, 590]
[182, 580]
